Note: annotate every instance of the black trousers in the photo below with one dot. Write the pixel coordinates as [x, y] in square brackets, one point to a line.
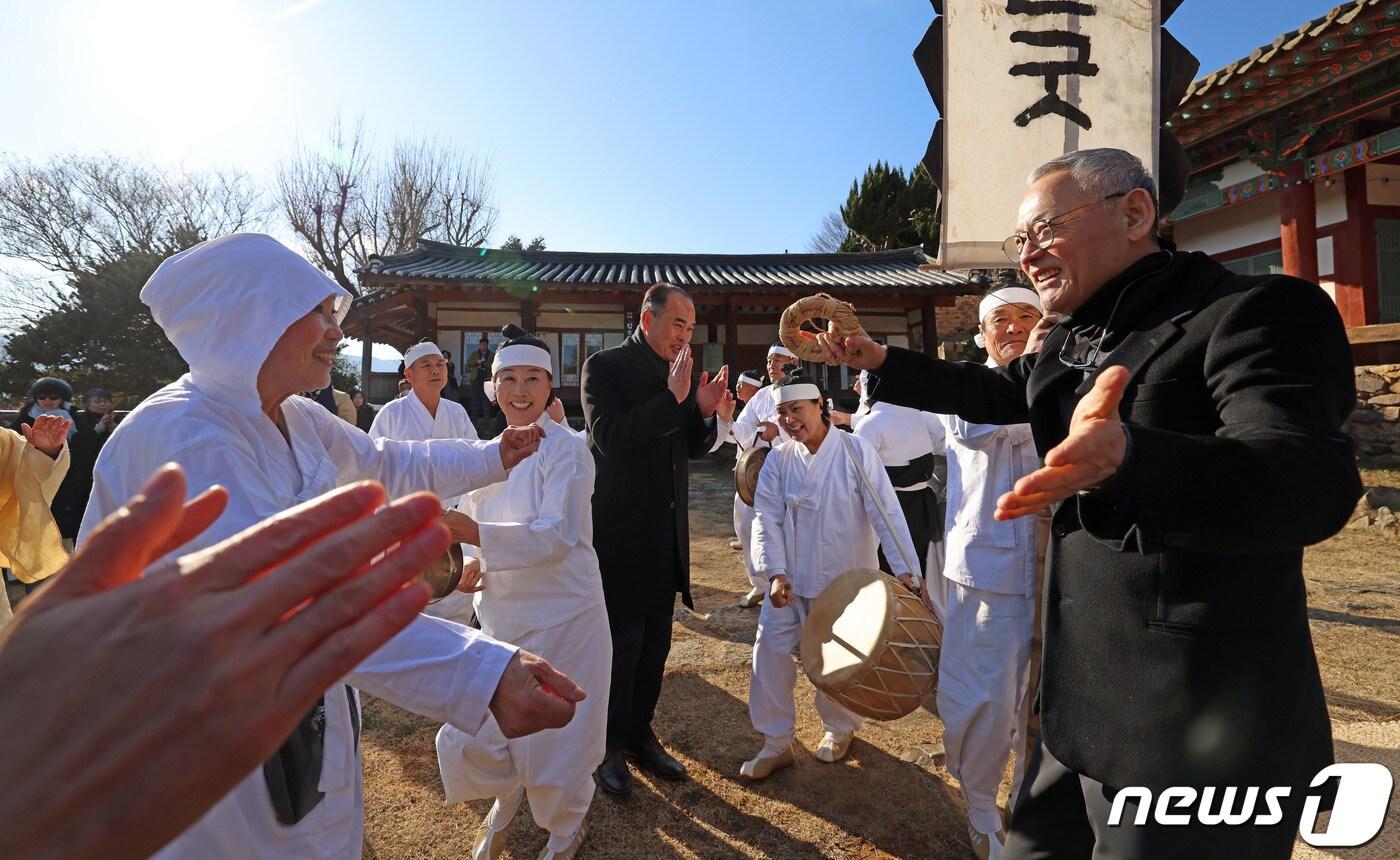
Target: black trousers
[1063, 814]
[924, 516]
[641, 636]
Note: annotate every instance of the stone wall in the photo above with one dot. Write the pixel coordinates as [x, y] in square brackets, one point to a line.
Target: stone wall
[959, 319]
[1375, 424]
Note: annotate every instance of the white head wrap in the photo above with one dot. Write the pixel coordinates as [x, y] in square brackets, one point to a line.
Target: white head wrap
[516, 355]
[799, 391]
[226, 302]
[418, 350]
[746, 379]
[779, 349]
[1004, 296]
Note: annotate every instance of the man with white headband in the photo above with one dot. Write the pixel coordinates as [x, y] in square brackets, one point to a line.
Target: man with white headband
[989, 586]
[423, 414]
[814, 520]
[531, 539]
[757, 427]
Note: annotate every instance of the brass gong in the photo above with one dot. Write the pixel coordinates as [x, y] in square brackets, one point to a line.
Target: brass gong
[444, 573]
[746, 473]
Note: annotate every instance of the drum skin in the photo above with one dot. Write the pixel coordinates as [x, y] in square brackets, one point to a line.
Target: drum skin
[871, 646]
[445, 572]
[746, 472]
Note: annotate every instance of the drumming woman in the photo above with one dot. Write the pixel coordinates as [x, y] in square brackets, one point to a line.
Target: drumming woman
[533, 537]
[813, 521]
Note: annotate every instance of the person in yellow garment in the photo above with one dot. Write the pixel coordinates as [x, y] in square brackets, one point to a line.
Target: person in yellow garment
[32, 466]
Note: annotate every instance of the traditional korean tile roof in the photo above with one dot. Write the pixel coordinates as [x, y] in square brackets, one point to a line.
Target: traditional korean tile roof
[900, 269]
[1351, 36]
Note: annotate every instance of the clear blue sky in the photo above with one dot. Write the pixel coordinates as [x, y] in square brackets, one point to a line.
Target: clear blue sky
[649, 125]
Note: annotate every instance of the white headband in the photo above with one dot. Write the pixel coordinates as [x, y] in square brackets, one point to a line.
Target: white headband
[745, 378]
[1007, 296]
[800, 391]
[521, 355]
[418, 350]
[779, 349]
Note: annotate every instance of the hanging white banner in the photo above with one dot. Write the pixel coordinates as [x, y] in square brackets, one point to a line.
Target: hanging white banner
[1026, 81]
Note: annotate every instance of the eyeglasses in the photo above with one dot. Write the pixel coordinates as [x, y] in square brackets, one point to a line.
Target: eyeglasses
[1042, 231]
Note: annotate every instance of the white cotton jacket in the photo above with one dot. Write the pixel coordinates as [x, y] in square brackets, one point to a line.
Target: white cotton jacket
[408, 420]
[900, 435]
[984, 462]
[538, 562]
[224, 304]
[763, 406]
[814, 519]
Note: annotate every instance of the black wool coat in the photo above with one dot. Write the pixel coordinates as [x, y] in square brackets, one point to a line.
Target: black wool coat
[641, 440]
[1177, 649]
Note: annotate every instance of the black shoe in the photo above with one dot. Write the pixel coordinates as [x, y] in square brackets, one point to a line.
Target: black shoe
[613, 775]
[653, 758]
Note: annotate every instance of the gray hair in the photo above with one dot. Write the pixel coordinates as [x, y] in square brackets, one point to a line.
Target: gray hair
[1100, 172]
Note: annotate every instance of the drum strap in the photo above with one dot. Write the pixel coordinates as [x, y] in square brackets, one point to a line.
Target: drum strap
[854, 454]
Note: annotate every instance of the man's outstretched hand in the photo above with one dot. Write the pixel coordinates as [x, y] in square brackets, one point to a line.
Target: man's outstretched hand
[517, 443]
[711, 392]
[1089, 455]
[533, 696]
[857, 350]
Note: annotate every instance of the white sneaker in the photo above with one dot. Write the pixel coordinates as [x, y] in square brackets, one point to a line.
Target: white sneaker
[752, 599]
[491, 838]
[987, 847]
[834, 747]
[762, 766]
[570, 852]
[735, 544]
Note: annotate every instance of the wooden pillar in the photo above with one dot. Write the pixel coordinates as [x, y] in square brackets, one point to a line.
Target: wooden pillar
[527, 315]
[422, 325]
[1298, 229]
[1356, 279]
[366, 357]
[731, 339]
[928, 322]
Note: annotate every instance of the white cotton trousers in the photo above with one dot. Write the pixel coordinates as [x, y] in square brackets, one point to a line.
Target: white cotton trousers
[555, 768]
[981, 691]
[772, 699]
[743, 527]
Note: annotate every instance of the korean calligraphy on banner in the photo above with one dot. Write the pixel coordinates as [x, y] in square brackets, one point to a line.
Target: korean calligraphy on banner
[1022, 81]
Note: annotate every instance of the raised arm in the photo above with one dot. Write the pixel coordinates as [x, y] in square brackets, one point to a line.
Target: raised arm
[617, 429]
[448, 467]
[566, 504]
[1278, 474]
[972, 391]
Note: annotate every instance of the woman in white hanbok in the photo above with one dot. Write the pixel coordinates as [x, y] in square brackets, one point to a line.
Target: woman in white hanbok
[814, 519]
[256, 323]
[539, 588]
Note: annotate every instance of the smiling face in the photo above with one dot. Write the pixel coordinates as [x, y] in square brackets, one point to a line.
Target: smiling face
[802, 419]
[1006, 329]
[427, 375]
[522, 392]
[669, 331]
[301, 359]
[1089, 245]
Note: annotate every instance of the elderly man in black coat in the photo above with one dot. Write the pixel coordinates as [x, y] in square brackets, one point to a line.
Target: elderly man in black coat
[645, 420]
[1189, 419]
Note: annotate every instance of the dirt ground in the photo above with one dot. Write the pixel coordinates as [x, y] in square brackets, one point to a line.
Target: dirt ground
[891, 797]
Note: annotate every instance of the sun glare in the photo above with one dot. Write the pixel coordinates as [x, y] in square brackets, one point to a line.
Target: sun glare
[184, 71]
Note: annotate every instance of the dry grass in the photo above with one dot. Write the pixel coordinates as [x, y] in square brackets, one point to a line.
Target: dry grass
[890, 798]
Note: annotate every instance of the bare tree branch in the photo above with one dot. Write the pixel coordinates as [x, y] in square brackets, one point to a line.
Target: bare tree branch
[830, 236]
[347, 208]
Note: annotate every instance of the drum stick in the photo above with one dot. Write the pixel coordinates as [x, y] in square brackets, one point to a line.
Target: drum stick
[874, 497]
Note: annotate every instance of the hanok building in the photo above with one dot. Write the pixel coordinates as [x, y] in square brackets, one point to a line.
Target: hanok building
[580, 303]
[1295, 155]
